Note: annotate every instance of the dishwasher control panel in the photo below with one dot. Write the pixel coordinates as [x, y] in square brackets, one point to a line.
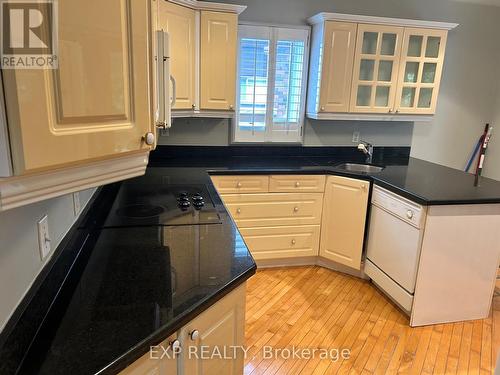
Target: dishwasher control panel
[403, 208]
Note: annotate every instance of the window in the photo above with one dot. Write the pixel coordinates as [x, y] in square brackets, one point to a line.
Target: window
[272, 73]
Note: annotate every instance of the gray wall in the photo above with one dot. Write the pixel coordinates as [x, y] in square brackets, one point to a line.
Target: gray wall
[19, 256]
[469, 87]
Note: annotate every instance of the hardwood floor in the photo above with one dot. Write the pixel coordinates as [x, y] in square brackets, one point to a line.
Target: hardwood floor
[312, 307]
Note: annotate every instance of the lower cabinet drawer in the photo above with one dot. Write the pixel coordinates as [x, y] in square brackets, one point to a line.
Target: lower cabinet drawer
[273, 209]
[241, 184]
[297, 183]
[282, 242]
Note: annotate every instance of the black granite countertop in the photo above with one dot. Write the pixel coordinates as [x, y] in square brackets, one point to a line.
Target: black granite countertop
[133, 287]
[118, 296]
[420, 181]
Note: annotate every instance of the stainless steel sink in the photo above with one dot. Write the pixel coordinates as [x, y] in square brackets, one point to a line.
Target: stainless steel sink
[361, 168]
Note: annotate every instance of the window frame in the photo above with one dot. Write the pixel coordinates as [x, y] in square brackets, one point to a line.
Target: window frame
[273, 33]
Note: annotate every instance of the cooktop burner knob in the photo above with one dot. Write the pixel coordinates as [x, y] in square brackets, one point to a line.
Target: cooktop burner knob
[184, 204]
[198, 204]
[197, 198]
[183, 195]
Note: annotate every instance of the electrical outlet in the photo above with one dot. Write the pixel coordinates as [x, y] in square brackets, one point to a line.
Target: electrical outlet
[76, 203]
[44, 237]
[355, 137]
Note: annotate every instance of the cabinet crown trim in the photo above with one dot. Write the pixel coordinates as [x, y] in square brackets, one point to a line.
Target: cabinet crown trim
[324, 16]
[26, 189]
[215, 7]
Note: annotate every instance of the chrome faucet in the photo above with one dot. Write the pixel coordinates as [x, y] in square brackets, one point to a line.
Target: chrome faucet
[367, 149]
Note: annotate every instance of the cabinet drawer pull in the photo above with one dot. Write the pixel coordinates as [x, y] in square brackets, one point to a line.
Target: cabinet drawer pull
[238, 184]
[194, 335]
[294, 242]
[297, 184]
[296, 209]
[238, 210]
[175, 346]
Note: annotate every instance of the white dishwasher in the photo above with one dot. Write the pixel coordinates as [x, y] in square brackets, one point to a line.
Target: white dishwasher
[394, 243]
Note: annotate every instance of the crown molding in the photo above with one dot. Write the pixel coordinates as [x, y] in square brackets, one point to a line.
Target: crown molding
[207, 5]
[322, 17]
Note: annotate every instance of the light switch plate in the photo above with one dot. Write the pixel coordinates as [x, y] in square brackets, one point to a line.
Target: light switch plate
[43, 237]
[355, 137]
[76, 203]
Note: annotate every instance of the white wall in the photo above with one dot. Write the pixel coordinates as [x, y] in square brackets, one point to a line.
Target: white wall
[20, 261]
[469, 87]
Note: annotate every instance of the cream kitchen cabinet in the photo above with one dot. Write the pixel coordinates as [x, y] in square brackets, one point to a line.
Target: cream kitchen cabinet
[220, 328]
[332, 55]
[180, 23]
[374, 68]
[90, 121]
[203, 39]
[421, 68]
[279, 216]
[343, 223]
[218, 60]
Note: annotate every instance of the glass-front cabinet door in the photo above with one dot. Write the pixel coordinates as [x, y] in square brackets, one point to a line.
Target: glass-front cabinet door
[420, 73]
[376, 63]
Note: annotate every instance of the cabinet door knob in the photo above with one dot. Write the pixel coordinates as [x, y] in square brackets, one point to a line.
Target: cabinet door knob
[409, 214]
[297, 184]
[238, 184]
[175, 346]
[231, 106]
[322, 108]
[294, 242]
[295, 209]
[238, 210]
[193, 106]
[397, 110]
[149, 138]
[390, 110]
[194, 335]
[363, 187]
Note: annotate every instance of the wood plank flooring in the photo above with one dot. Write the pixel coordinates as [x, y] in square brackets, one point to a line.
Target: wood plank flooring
[312, 307]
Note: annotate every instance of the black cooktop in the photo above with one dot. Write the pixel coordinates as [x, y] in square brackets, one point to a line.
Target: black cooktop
[162, 204]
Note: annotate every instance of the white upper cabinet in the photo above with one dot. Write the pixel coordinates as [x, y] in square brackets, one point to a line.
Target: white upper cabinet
[97, 103]
[374, 68]
[88, 122]
[421, 67]
[330, 80]
[180, 22]
[203, 44]
[376, 65]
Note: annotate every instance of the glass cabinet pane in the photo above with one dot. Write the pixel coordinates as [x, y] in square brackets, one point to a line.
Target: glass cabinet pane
[384, 71]
[415, 45]
[369, 43]
[388, 47]
[429, 72]
[382, 96]
[408, 97]
[425, 97]
[432, 49]
[366, 70]
[411, 72]
[364, 96]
